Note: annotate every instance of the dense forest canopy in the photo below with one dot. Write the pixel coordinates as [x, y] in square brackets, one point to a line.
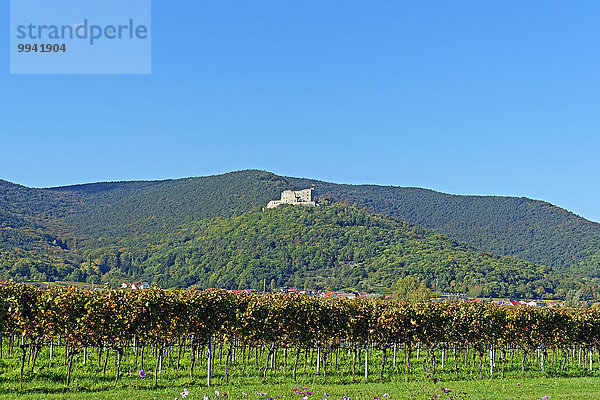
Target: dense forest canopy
[211, 232]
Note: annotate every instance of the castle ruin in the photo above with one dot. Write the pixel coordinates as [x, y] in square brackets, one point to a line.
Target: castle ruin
[295, 197]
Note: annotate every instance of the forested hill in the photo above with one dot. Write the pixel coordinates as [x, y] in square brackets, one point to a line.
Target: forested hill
[117, 209]
[533, 230]
[331, 246]
[100, 214]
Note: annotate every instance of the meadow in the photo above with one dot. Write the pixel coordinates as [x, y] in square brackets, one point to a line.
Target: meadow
[94, 378]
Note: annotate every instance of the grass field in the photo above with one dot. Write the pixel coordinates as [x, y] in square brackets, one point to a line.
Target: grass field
[46, 380]
[536, 388]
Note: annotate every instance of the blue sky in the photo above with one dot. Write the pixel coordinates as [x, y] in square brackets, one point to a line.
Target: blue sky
[467, 97]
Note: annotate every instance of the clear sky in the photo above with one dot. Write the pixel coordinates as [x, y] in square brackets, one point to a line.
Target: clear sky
[466, 97]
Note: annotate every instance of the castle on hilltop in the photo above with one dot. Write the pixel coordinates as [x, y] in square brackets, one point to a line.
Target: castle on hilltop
[295, 197]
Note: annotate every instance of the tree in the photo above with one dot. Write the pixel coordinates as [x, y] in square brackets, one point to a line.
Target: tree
[411, 290]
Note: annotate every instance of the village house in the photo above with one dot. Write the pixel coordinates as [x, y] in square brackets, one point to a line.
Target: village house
[135, 285]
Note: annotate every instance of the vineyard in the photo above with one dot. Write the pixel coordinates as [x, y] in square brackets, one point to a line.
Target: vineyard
[221, 337]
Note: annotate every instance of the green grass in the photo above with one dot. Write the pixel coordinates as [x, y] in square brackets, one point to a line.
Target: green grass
[47, 381]
[556, 388]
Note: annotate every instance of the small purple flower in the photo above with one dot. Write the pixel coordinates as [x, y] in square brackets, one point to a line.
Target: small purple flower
[309, 393]
[326, 394]
[184, 394]
[434, 381]
[142, 373]
[386, 395]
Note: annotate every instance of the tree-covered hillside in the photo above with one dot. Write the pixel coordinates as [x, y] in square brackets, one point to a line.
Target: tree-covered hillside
[117, 209]
[73, 231]
[533, 230]
[331, 246]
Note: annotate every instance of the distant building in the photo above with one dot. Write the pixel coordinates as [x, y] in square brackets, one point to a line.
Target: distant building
[533, 303]
[247, 291]
[295, 197]
[135, 285]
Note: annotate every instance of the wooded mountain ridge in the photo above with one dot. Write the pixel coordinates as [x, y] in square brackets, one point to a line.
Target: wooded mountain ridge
[61, 227]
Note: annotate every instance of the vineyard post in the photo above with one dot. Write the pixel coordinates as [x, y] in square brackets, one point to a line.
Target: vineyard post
[233, 350]
[353, 362]
[366, 360]
[318, 358]
[394, 362]
[161, 354]
[455, 361]
[443, 354]
[491, 361]
[209, 362]
[543, 358]
[192, 357]
[158, 356]
[591, 358]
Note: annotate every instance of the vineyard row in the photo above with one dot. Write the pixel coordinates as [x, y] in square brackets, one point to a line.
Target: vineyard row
[195, 322]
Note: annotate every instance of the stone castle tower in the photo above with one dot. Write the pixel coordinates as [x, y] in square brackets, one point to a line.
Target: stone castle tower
[295, 197]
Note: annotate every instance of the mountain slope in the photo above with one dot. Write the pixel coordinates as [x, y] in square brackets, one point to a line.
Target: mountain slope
[90, 216]
[533, 230]
[329, 246]
[116, 209]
